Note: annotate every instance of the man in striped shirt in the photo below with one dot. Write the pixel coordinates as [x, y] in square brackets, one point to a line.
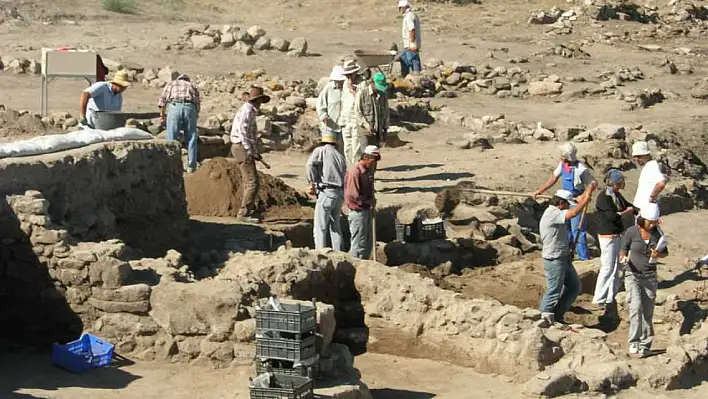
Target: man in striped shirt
[244, 148]
[184, 102]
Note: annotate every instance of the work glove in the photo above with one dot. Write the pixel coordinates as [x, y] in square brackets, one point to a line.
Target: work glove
[82, 120]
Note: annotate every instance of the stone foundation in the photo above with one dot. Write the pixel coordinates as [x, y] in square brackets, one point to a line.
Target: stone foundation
[131, 190]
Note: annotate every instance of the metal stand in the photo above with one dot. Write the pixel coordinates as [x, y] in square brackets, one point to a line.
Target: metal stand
[44, 96]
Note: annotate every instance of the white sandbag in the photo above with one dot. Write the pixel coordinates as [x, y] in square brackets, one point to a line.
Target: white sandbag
[60, 142]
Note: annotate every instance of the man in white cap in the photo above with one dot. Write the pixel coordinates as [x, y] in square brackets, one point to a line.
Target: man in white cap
[329, 104]
[103, 96]
[326, 169]
[410, 58]
[180, 101]
[359, 199]
[353, 143]
[651, 180]
[562, 281]
[575, 178]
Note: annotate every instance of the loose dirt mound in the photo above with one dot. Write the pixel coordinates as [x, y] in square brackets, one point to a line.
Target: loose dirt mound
[14, 126]
[215, 190]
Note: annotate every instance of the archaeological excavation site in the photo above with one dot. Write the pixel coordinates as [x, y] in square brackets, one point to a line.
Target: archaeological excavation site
[136, 236]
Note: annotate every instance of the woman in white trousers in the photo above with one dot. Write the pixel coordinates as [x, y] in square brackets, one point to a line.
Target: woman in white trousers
[611, 206]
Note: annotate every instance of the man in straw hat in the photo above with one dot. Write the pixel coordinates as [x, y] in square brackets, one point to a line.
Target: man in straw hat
[359, 199]
[180, 100]
[102, 96]
[372, 110]
[651, 180]
[329, 104]
[575, 178]
[410, 58]
[245, 149]
[325, 173]
[562, 281]
[348, 118]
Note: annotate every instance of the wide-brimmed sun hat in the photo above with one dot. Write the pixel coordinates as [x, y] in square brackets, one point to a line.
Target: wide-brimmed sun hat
[257, 93]
[564, 195]
[121, 79]
[350, 67]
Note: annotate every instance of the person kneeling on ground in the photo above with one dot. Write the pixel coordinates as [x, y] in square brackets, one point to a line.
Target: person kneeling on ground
[326, 169]
[561, 276]
[642, 245]
[611, 206]
[359, 199]
[244, 148]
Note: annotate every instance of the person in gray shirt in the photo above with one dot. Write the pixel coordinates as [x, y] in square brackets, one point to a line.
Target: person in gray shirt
[562, 281]
[641, 246]
[326, 169]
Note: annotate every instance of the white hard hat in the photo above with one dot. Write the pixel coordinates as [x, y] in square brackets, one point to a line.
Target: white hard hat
[640, 148]
[403, 3]
[372, 150]
[650, 211]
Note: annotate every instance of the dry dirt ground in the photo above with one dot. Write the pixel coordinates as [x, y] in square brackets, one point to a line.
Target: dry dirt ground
[412, 173]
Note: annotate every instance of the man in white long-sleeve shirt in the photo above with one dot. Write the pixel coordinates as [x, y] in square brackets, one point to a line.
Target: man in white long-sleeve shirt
[244, 148]
[329, 104]
[326, 169]
[348, 119]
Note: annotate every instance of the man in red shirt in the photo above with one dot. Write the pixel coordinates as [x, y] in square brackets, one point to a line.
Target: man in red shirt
[359, 199]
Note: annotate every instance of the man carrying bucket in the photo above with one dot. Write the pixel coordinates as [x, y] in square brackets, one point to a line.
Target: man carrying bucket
[102, 96]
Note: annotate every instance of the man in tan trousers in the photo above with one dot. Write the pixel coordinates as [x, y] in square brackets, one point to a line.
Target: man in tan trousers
[245, 149]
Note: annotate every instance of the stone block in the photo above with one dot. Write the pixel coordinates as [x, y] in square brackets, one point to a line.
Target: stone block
[110, 272]
[71, 263]
[140, 307]
[127, 293]
[71, 277]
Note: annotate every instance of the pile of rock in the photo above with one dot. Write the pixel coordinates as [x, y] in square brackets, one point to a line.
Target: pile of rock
[446, 79]
[641, 99]
[561, 22]
[243, 41]
[20, 65]
[567, 50]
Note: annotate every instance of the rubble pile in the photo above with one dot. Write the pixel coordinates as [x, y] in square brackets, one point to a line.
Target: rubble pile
[447, 79]
[245, 41]
[20, 65]
[561, 22]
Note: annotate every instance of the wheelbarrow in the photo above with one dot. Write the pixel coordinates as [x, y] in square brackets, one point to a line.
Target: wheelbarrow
[376, 59]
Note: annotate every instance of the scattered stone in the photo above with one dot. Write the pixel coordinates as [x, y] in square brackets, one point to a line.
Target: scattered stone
[203, 42]
[167, 75]
[544, 88]
[243, 48]
[263, 43]
[256, 32]
[298, 45]
[279, 44]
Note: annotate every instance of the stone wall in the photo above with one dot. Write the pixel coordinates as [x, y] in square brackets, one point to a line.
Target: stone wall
[131, 190]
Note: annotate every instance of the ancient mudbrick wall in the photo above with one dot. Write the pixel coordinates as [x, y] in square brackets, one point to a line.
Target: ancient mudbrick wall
[132, 190]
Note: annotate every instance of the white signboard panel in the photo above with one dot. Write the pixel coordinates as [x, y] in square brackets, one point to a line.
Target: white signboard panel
[68, 63]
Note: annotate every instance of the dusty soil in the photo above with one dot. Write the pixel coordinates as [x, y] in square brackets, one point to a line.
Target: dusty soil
[215, 189]
[489, 33]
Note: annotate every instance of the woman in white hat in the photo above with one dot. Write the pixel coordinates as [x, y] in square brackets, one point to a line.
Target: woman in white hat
[329, 104]
[641, 247]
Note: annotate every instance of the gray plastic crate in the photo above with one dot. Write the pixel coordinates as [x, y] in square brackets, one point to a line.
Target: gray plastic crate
[285, 387]
[285, 349]
[285, 367]
[294, 318]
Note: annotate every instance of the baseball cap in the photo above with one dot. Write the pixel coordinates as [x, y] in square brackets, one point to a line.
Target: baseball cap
[373, 150]
[614, 176]
[380, 82]
[564, 195]
[403, 3]
[640, 148]
[569, 152]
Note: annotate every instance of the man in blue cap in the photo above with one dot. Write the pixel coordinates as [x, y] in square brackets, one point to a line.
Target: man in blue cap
[575, 178]
[372, 111]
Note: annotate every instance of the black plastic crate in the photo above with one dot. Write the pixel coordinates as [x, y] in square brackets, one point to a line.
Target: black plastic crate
[285, 387]
[286, 349]
[294, 318]
[286, 367]
[419, 231]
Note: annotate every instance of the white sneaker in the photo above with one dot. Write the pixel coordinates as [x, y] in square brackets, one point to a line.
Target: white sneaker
[633, 350]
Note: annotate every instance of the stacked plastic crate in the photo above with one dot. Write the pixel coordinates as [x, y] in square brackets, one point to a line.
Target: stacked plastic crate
[285, 350]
